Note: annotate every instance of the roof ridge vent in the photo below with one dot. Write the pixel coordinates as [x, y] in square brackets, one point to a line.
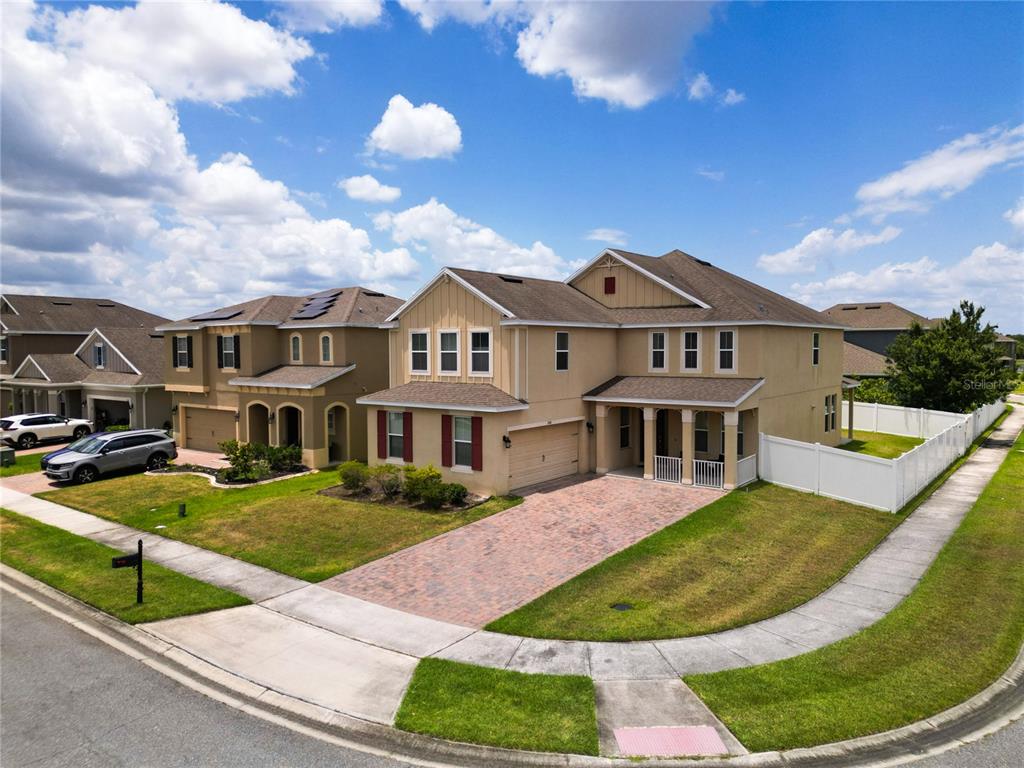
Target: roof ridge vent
[701, 261]
[511, 278]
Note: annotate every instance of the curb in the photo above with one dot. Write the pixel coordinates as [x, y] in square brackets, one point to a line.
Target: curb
[999, 704]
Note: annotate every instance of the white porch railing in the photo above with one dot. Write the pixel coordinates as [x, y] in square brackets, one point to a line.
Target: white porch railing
[668, 469]
[709, 474]
[746, 470]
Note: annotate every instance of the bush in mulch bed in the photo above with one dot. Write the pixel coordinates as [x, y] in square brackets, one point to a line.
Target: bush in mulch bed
[418, 487]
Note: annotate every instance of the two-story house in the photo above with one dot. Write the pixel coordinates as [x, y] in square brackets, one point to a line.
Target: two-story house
[57, 326]
[280, 370]
[663, 366]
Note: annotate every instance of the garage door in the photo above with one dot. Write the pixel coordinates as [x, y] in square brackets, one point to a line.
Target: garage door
[544, 453]
[205, 427]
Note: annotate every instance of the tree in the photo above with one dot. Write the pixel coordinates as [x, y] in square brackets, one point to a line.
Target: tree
[953, 366]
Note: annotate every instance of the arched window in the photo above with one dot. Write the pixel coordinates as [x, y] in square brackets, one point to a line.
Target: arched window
[326, 353]
[296, 348]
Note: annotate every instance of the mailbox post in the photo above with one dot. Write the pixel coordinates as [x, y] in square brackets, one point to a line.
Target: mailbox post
[131, 561]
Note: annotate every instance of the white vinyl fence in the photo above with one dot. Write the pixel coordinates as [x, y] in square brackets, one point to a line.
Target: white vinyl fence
[880, 483]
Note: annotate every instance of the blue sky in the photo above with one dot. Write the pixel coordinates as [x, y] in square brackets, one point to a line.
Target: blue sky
[871, 151]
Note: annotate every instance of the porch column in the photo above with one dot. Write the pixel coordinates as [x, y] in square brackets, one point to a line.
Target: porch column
[650, 430]
[601, 438]
[849, 426]
[731, 419]
[689, 446]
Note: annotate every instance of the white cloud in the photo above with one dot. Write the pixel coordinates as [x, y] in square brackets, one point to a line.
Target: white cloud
[430, 13]
[367, 188]
[732, 97]
[326, 16]
[821, 244]
[231, 190]
[607, 235]
[942, 173]
[711, 175]
[200, 50]
[415, 133]
[454, 240]
[1016, 215]
[700, 88]
[991, 275]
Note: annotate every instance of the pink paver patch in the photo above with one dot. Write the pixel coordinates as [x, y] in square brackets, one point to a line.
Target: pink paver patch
[670, 741]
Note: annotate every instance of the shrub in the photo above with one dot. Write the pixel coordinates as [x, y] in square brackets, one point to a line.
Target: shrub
[248, 461]
[354, 475]
[118, 428]
[456, 493]
[386, 479]
[284, 457]
[434, 495]
[421, 480]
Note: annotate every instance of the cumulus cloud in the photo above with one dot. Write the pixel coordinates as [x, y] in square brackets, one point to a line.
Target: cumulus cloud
[201, 50]
[454, 240]
[820, 244]
[1016, 215]
[732, 97]
[415, 133]
[700, 87]
[991, 275]
[327, 16]
[368, 189]
[607, 235]
[942, 173]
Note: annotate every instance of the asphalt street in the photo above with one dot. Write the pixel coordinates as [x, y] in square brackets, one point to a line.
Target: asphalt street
[1003, 749]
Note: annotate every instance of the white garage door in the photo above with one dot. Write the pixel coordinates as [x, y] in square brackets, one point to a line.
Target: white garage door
[543, 453]
[205, 427]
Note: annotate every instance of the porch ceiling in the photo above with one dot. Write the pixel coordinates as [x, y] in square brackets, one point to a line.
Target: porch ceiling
[675, 390]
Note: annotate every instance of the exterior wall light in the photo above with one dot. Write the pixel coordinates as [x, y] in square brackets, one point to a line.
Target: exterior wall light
[590, 427]
[507, 441]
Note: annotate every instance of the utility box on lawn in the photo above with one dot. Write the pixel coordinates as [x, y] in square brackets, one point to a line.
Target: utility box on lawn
[6, 456]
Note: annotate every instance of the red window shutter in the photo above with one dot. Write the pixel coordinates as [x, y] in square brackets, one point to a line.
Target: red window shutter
[446, 440]
[609, 285]
[382, 434]
[407, 436]
[478, 443]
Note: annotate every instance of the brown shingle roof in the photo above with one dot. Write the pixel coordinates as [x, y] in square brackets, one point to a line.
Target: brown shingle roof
[858, 361]
[445, 395]
[875, 315]
[64, 314]
[531, 298]
[59, 368]
[143, 348]
[676, 389]
[293, 376]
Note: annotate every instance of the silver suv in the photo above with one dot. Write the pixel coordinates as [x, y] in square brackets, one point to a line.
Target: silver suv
[86, 459]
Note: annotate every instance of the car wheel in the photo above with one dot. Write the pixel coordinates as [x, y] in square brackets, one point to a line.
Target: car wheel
[156, 461]
[80, 432]
[27, 440]
[85, 475]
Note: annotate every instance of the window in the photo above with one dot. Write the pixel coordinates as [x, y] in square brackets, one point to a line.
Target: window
[3, 349]
[396, 435]
[691, 350]
[832, 424]
[726, 352]
[463, 438]
[624, 419]
[657, 351]
[449, 342]
[739, 434]
[227, 351]
[830, 412]
[419, 351]
[815, 347]
[609, 285]
[181, 352]
[326, 354]
[700, 432]
[562, 350]
[296, 348]
[480, 351]
[98, 355]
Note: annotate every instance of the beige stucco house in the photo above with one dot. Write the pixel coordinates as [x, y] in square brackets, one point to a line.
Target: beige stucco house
[666, 367]
[280, 370]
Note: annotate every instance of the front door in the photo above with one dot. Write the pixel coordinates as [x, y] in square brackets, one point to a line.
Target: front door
[661, 439]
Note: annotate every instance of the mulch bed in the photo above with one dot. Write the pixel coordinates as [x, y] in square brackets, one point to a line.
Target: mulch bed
[178, 468]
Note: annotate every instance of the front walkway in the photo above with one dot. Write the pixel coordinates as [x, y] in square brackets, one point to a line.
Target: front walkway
[479, 572]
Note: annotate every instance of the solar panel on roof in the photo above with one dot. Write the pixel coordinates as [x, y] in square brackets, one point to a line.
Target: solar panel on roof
[325, 294]
[309, 313]
[327, 301]
[222, 314]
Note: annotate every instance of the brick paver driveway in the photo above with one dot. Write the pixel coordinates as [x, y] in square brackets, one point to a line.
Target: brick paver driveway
[475, 574]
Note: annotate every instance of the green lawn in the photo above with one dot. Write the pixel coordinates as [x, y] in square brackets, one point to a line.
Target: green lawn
[880, 444]
[752, 554]
[23, 464]
[461, 702]
[955, 634]
[81, 568]
[286, 526]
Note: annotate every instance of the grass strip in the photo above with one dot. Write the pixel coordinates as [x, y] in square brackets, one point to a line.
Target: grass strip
[81, 568]
[23, 465]
[880, 444]
[955, 634]
[498, 707]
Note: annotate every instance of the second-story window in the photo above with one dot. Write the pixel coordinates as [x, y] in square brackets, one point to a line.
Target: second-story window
[182, 352]
[561, 350]
[296, 348]
[815, 348]
[480, 352]
[228, 353]
[691, 350]
[449, 343]
[726, 351]
[99, 355]
[657, 351]
[419, 352]
[325, 348]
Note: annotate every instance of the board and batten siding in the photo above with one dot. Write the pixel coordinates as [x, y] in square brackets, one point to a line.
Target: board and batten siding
[631, 288]
[112, 361]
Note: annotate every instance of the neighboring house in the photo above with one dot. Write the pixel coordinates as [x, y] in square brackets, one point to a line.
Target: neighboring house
[280, 370]
[667, 364]
[1007, 346]
[860, 362]
[54, 325]
[114, 378]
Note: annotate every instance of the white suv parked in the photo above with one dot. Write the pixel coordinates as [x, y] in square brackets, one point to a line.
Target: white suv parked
[28, 429]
